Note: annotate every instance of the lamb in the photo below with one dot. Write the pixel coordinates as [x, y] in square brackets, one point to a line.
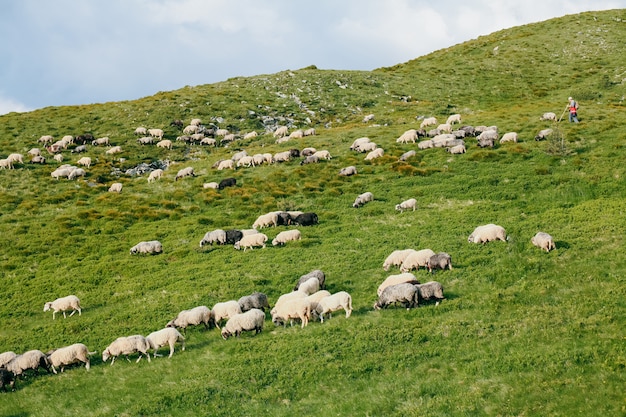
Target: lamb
[316, 273]
[429, 291]
[376, 153]
[348, 171]
[63, 304]
[149, 247]
[407, 155]
[69, 355]
[543, 241]
[281, 131]
[439, 260]
[509, 137]
[543, 134]
[292, 309]
[225, 310]
[156, 133]
[429, 121]
[309, 286]
[362, 199]
[78, 172]
[252, 319]
[100, 141]
[487, 233]
[456, 150]
[334, 302]
[453, 118]
[226, 164]
[167, 336]
[255, 300]
[411, 203]
[406, 294]
[116, 187]
[33, 359]
[185, 172]
[396, 258]
[193, 317]
[286, 236]
[114, 150]
[408, 136]
[416, 259]
[405, 277]
[548, 116]
[323, 154]
[155, 175]
[266, 220]
[251, 241]
[6, 357]
[126, 346]
[215, 236]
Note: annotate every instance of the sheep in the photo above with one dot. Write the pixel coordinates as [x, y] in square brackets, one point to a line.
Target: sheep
[126, 346]
[6, 357]
[69, 355]
[34, 152]
[323, 154]
[416, 259]
[376, 153]
[282, 140]
[282, 156]
[146, 140]
[509, 137]
[310, 132]
[543, 241]
[366, 147]
[193, 317]
[296, 134]
[439, 260]
[237, 156]
[188, 130]
[405, 277]
[348, 171]
[141, 131]
[316, 273]
[100, 141]
[306, 219]
[429, 121]
[487, 233]
[215, 236]
[269, 158]
[156, 133]
[543, 134]
[58, 157]
[284, 298]
[332, 303]
[195, 122]
[258, 159]
[430, 290]
[252, 319]
[407, 155]
[316, 297]
[405, 293]
[149, 247]
[266, 220]
[62, 171]
[358, 142]
[281, 131]
[255, 300]
[114, 150]
[292, 309]
[408, 136]
[445, 127]
[442, 140]
[78, 172]
[208, 141]
[116, 187]
[362, 199]
[16, 157]
[453, 118]
[233, 236]
[456, 150]
[7, 379]
[155, 175]
[487, 138]
[309, 286]
[396, 258]
[167, 336]
[246, 161]
[251, 241]
[38, 159]
[185, 172]
[548, 116]
[46, 139]
[63, 304]
[221, 132]
[311, 159]
[286, 236]
[33, 359]
[250, 135]
[225, 310]
[411, 203]
[426, 144]
[226, 164]
[368, 117]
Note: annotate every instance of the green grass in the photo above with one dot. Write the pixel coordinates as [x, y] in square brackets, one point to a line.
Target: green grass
[522, 332]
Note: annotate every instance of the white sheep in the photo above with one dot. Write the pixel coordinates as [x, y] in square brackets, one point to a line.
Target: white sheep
[296, 134]
[188, 130]
[116, 187]
[251, 241]
[34, 152]
[408, 136]
[334, 302]
[114, 150]
[258, 159]
[487, 233]
[168, 336]
[62, 171]
[58, 157]
[149, 247]
[509, 137]
[214, 236]
[127, 345]
[33, 359]
[78, 172]
[543, 241]
[411, 203]
[286, 236]
[457, 149]
[282, 156]
[309, 286]
[141, 131]
[155, 175]
[208, 142]
[445, 127]
[396, 258]
[195, 122]
[252, 319]
[246, 232]
[290, 310]
[69, 355]
[453, 118]
[429, 121]
[101, 141]
[284, 298]
[269, 158]
[362, 199]
[426, 144]
[250, 135]
[6, 164]
[193, 317]
[6, 357]
[376, 153]
[266, 220]
[543, 134]
[156, 133]
[348, 171]
[38, 159]
[405, 277]
[226, 164]
[221, 132]
[310, 132]
[358, 142]
[323, 154]
[416, 259]
[548, 116]
[63, 304]
[146, 140]
[281, 131]
[367, 117]
[185, 172]
[46, 139]
[225, 310]
[16, 157]
[366, 147]
[247, 161]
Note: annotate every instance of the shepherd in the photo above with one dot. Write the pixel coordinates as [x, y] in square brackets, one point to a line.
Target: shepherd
[573, 110]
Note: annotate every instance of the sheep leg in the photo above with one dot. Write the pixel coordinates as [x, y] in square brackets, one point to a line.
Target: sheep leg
[113, 360]
[73, 311]
[171, 349]
[64, 316]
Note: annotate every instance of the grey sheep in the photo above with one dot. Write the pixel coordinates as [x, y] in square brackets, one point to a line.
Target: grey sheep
[439, 260]
[33, 359]
[316, 273]
[431, 290]
[405, 293]
[256, 300]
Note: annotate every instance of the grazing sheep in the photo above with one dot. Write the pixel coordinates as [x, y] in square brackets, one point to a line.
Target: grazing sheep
[247, 161]
[213, 185]
[193, 317]
[282, 156]
[443, 140]
[376, 153]
[368, 117]
[38, 159]
[405, 293]
[250, 135]
[188, 130]
[332, 303]
[149, 247]
[548, 116]
[509, 137]
[7, 379]
[5, 357]
[305, 219]
[227, 182]
[426, 144]
[126, 346]
[62, 171]
[429, 291]
[16, 157]
[69, 355]
[487, 233]
[155, 175]
[208, 141]
[453, 118]
[290, 310]
[348, 171]
[323, 154]
[296, 134]
[78, 172]
[543, 241]
[63, 304]
[543, 134]
[366, 147]
[487, 138]
[195, 122]
[396, 258]
[416, 259]
[237, 156]
[167, 336]
[445, 127]
[225, 310]
[251, 241]
[316, 297]
[46, 139]
[101, 141]
[146, 140]
[233, 235]
[408, 136]
[215, 236]
[141, 131]
[411, 203]
[266, 220]
[358, 142]
[156, 133]
[407, 155]
[221, 132]
[33, 359]
[252, 319]
[439, 260]
[316, 273]
[185, 172]
[58, 157]
[309, 286]
[114, 150]
[34, 152]
[405, 277]
[311, 159]
[226, 164]
[284, 298]
[310, 132]
[116, 187]
[286, 236]
[456, 150]
[429, 121]
[281, 131]
[362, 199]
[255, 300]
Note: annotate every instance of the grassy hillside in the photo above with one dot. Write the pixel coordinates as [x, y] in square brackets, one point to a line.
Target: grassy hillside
[521, 332]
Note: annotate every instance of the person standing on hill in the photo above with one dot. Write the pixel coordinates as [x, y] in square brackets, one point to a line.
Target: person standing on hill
[573, 110]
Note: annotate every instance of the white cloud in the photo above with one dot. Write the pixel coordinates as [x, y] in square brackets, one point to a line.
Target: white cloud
[8, 105]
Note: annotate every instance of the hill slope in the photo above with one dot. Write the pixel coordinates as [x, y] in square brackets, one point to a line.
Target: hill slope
[521, 332]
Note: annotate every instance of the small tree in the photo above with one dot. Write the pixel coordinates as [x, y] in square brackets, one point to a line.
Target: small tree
[557, 146]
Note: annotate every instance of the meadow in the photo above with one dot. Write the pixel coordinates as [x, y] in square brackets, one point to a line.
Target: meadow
[521, 332]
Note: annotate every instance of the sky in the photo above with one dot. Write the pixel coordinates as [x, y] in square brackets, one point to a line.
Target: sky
[73, 52]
